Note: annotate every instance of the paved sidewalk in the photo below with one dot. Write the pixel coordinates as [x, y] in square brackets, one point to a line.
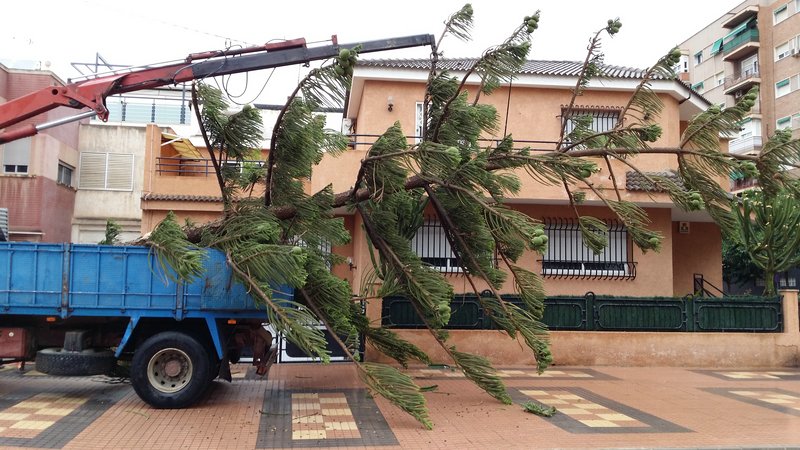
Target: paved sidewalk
[313, 406]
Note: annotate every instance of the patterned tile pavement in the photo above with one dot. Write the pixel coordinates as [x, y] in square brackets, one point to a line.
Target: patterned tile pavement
[581, 411]
[313, 406]
[525, 373]
[775, 399]
[786, 374]
[322, 419]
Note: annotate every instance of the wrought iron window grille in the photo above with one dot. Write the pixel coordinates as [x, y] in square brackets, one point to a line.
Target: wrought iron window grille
[603, 119]
[568, 257]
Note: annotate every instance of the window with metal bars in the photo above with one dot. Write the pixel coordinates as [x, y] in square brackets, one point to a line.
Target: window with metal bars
[602, 119]
[568, 257]
[431, 245]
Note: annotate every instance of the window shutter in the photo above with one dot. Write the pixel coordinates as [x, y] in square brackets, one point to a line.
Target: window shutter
[17, 153]
[783, 83]
[120, 172]
[717, 47]
[93, 171]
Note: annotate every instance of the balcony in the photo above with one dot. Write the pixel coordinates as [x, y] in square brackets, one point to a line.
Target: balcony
[741, 45]
[744, 146]
[196, 167]
[742, 16]
[742, 82]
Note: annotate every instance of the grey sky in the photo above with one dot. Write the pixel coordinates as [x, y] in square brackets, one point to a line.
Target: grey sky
[148, 31]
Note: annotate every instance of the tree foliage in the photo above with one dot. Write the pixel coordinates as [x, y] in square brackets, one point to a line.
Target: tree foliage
[767, 224]
[280, 239]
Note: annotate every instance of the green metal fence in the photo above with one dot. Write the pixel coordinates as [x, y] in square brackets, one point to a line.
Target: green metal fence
[602, 313]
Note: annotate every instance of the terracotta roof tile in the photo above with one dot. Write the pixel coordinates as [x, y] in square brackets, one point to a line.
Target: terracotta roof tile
[531, 67]
[635, 181]
[184, 198]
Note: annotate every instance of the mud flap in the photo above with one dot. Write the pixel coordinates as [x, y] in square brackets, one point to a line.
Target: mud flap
[264, 352]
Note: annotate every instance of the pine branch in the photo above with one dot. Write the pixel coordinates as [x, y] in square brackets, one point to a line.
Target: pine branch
[387, 381]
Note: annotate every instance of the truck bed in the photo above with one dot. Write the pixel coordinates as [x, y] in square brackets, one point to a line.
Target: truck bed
[73, 280]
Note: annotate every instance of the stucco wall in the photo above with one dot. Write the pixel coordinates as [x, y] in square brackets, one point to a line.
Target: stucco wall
[38, 208]
[699, 251]
[93, 207]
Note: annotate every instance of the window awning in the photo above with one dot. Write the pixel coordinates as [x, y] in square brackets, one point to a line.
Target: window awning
[183, 146]
[783, 83]
[738, 30]
[717, 47]
[697, 86]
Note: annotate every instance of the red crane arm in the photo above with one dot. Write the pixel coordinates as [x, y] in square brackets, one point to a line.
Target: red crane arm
[93, 92]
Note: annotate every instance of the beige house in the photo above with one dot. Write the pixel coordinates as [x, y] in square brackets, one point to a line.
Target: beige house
[175, 182]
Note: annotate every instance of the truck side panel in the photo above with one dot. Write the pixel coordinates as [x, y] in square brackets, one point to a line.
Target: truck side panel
[31, 278]
[109, 280]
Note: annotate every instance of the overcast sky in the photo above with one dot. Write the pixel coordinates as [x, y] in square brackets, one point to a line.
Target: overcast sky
[147, 31]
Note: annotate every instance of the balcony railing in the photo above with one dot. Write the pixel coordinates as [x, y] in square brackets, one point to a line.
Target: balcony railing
[747, 75]
[175, 166]
[745, 145]
[738, 185]
[160, 111]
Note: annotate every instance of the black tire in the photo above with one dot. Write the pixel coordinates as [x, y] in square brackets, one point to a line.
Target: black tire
[170, 370]
[57, 361]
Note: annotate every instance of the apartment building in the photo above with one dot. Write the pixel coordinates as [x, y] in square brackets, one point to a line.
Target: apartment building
[757, 43]
[37, 175]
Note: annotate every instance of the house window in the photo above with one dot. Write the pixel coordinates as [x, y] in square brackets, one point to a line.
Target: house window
[698, 57]
[431, 245]
[782, 88]
[568, 257]
[419, 118]
[787, 280]
[16, 156]
[106, 171]
[683, 65]
[719, 78]
[795, 121]
[782, 51]
[781, 13]
[64, 174]
[602, 119]
[784, 123]
[749, 66]
[232, 165]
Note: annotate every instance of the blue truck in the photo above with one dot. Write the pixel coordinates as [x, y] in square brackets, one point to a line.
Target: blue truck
[78, 309]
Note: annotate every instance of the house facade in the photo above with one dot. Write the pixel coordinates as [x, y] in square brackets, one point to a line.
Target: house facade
[38, 174]
[531, 110]
[757, 43]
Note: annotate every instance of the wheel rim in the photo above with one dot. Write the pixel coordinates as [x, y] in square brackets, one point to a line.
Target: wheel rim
[170, 370]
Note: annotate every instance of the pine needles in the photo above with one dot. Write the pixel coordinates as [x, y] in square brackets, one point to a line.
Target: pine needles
[452, 172]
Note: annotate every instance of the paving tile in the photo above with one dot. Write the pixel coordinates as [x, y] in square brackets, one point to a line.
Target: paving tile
[323, 418]
[771, 398]
[314, 406]
[507, 374]
[753, 375]
[583, 411]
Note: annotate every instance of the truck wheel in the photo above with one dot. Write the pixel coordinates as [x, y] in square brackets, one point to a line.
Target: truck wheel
[170, 370]
[57, 361]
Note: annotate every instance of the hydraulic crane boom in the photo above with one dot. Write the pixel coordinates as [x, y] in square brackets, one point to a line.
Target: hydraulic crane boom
[93, 92]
